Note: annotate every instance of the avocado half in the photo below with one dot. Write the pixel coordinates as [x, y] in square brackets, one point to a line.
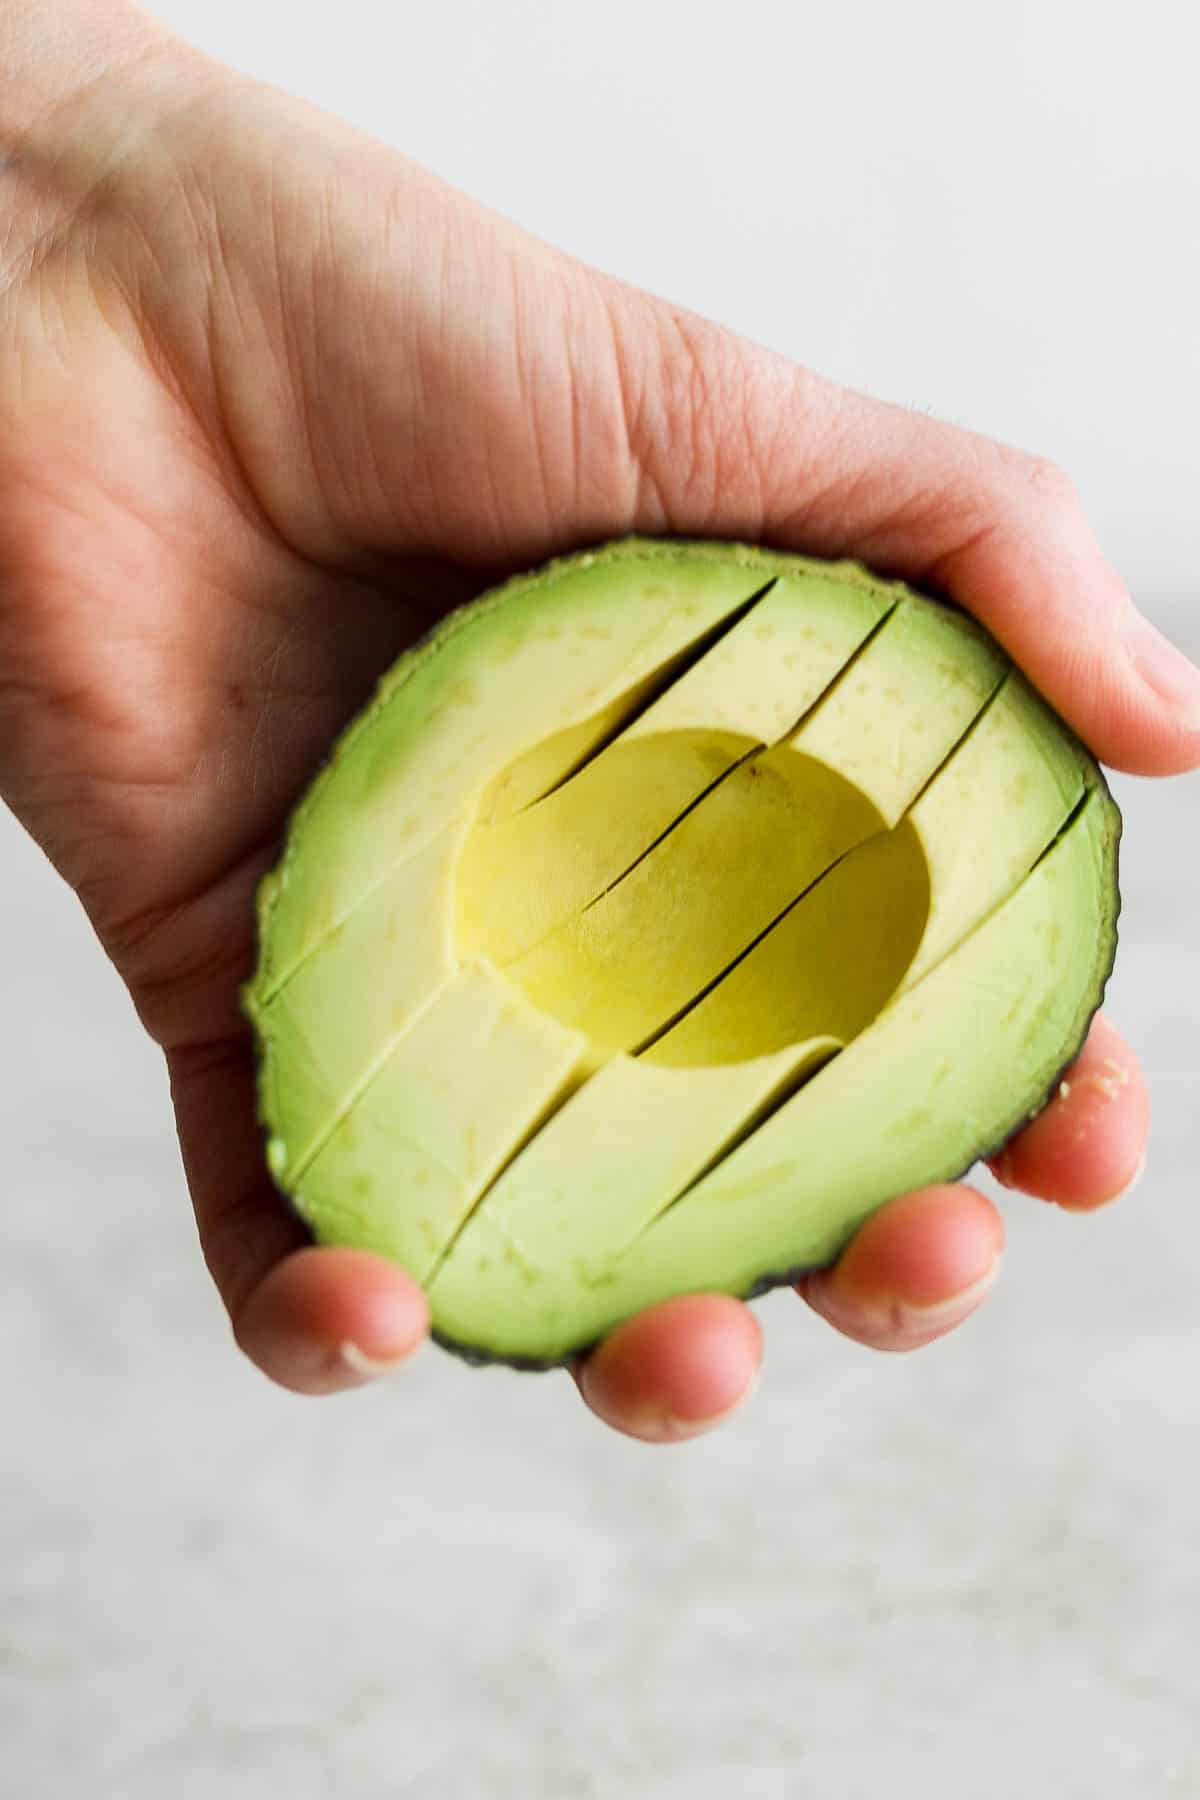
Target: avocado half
[669, 910]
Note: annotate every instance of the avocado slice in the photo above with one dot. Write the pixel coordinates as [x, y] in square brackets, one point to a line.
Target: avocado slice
[412, 1149]
[665, 913]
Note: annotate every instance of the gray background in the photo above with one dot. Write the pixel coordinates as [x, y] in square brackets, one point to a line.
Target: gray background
[973, 1572]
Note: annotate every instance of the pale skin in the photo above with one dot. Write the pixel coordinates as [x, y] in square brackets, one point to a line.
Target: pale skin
[271, 400]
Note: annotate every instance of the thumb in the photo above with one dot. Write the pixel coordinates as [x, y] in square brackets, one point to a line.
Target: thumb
[730, 440]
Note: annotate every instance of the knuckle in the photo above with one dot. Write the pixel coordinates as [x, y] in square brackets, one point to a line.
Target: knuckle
[701, 439]
[1050, 484]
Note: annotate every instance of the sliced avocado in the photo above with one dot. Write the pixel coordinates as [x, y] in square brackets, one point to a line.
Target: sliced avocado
[889, 911]
[900, 708]
[409, 1153]
[576, 1193]
[622, 626]
[667, 912]
[500, 701]
[335, 1018]
[828, 965]
[622, 967]
[376, 875]
[940, 1068]
[525, 873]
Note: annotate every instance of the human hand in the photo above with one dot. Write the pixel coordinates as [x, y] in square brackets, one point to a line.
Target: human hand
[271, 400]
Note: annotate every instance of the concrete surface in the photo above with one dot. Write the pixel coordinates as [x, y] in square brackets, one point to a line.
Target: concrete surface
[974, 1572]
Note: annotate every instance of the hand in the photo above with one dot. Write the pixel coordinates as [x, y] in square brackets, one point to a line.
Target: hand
[271, 399]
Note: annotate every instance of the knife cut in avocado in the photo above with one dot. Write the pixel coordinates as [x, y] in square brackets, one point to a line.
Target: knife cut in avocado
[668, 911]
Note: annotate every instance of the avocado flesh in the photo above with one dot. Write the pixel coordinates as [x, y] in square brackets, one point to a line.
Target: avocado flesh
[620, 970]
[524, 873]
[412, 1113]
[378, 867]
[829, 964]
[858, 938]
[938, 1066]
[401, 1167]
[379, 860]
[329, 1023]
[445, 726]
[625, 965]
[894, 907]
[574, 1191]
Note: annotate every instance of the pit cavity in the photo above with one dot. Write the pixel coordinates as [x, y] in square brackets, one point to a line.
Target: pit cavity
[698, 899]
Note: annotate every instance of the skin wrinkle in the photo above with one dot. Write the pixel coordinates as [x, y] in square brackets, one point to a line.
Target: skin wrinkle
[243, 1242]
[227, 585]
[713, 425]
[902, 511]
[222, 383]
[34, 167]
[526, 379]
[299, 313]
[649, 504]
[626, 404]
[574, 432]
[97, 191]
[386, 276]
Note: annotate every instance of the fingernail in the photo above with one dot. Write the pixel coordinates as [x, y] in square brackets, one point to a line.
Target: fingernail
[665, 1428]
[1163, 667]
[668, 1428]
[944, 1313]
[368, 1367]
[657, 1424]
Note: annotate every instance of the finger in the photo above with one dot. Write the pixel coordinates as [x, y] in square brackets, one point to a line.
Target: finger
[1088, 1146]
[676, 1370]
[915, 1270]
[314, 1320]
[323, 1320]
[776, 453]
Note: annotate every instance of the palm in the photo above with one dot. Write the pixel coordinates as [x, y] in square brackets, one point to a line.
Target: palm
[185, 671]
[212, 602]
[211, 608]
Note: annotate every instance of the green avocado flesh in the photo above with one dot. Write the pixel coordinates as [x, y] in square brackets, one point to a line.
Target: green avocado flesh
[668, 911]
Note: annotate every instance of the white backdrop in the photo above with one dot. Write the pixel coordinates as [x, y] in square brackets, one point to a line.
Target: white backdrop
[970, 1572]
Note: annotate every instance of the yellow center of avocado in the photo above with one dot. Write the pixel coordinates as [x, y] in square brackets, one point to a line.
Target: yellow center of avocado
[774, 908]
